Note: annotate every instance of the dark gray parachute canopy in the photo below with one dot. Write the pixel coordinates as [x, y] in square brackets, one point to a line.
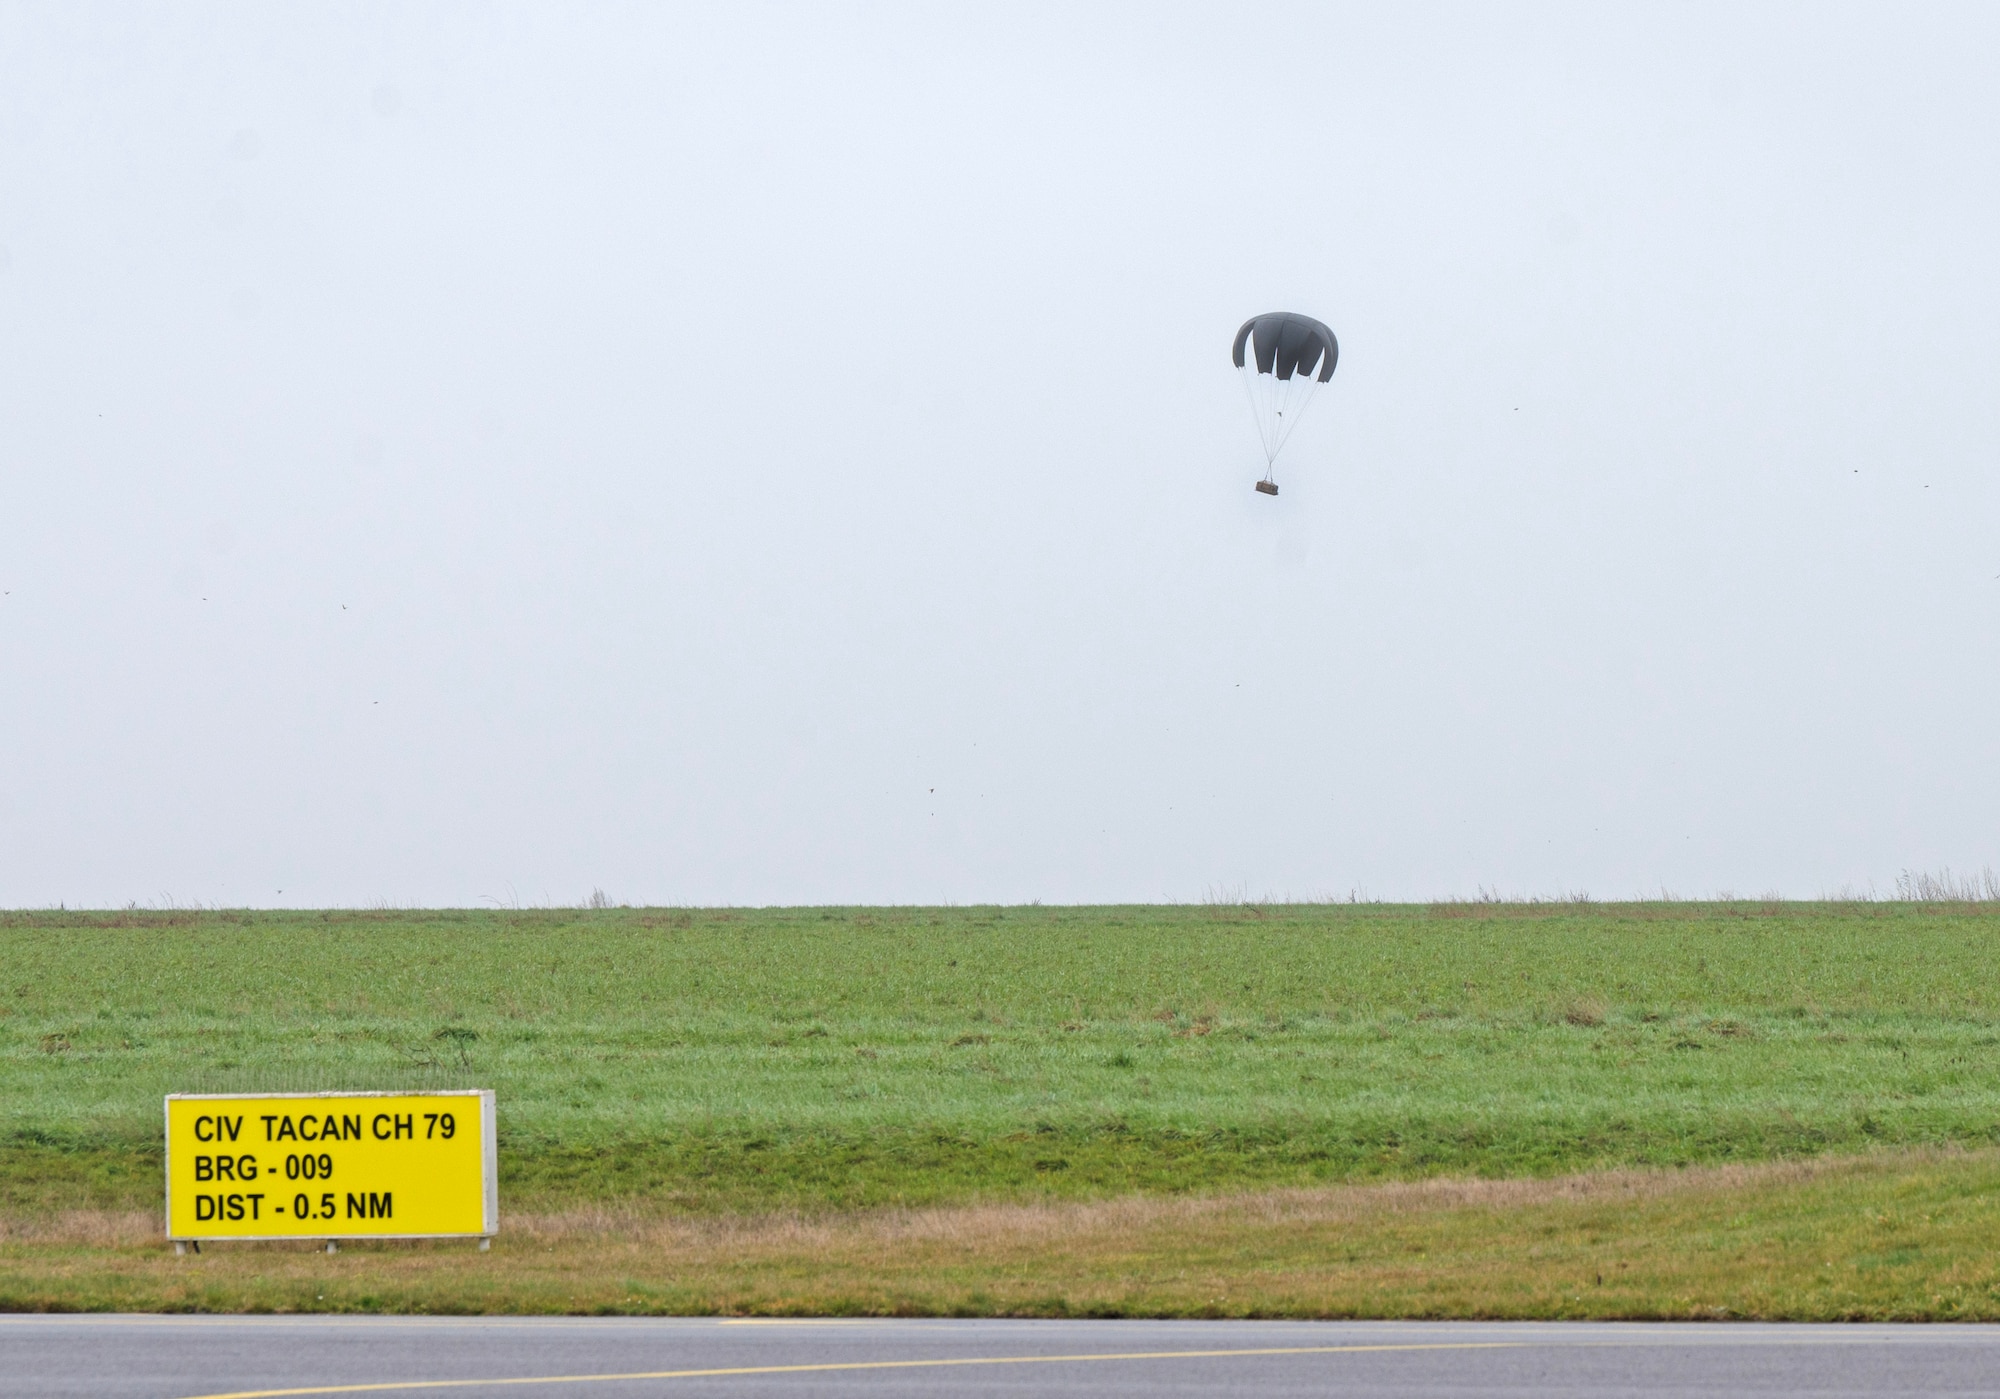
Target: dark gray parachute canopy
[1287, 344]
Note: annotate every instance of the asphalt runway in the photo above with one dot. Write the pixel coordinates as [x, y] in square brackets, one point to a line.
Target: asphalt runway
[170, 1357]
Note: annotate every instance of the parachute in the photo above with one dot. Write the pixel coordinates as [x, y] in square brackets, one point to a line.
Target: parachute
[1291, 356]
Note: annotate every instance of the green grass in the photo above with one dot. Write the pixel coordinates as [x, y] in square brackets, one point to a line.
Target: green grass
[841, 1057]
[1889, 1235]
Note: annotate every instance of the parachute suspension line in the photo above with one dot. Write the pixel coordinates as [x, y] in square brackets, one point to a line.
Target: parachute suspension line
[1248, 374]
[1292, 398]
[1284, 403]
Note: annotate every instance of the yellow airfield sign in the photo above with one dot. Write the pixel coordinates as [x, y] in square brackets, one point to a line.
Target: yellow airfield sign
[332, 1165]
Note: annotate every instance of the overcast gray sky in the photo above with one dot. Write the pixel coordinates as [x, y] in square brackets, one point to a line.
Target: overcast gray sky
[454, 453]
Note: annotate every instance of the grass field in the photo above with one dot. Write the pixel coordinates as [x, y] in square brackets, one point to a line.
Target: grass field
[1888, 1235]
[756, 1064]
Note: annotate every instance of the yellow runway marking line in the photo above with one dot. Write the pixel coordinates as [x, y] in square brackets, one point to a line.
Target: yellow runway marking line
[827, 1367]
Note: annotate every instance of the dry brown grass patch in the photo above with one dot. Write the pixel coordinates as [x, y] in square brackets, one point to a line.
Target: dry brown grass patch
[1889, 1235]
